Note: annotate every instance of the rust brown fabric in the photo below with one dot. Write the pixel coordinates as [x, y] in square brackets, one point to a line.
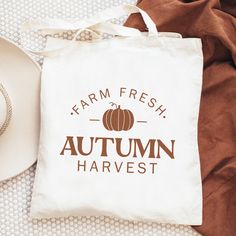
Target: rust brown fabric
[214, 22]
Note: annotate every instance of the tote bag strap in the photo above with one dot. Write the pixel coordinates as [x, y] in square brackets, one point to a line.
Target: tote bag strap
[97, 23]
[8, 116]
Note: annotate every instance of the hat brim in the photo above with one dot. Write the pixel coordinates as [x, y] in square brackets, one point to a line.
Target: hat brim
[20, 75]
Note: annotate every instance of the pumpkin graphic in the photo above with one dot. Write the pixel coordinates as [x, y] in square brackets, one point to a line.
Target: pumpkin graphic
[118, 119]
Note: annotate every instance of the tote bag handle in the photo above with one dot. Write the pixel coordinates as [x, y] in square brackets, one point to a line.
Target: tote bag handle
[97, 23]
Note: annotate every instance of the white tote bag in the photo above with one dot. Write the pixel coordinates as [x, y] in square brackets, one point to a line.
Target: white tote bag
[119, 124]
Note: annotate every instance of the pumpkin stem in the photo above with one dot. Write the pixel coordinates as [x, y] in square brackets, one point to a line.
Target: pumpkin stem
[118, 107]
[113, 104]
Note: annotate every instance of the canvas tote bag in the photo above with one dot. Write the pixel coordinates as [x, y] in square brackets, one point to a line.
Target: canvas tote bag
[119, 124]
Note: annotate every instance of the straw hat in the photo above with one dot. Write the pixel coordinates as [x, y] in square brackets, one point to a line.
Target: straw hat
[19, 110]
